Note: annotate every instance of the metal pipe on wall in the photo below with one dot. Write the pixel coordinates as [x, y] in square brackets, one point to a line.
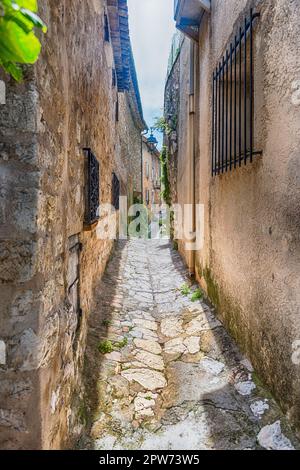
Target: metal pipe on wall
[192, 150]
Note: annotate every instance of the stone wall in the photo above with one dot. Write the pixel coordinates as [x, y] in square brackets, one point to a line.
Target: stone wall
[130, 137]
[67, 102]
[249, 264]
[171, 114]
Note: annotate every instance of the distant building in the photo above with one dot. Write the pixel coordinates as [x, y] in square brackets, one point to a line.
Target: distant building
[151, 175]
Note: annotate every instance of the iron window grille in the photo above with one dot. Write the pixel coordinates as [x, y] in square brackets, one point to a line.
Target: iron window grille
[92, 192]
[115, 192]
[233, 103]
[117, 110]
[114, 78]
[147, 197]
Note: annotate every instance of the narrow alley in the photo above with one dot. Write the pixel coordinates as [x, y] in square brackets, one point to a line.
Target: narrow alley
[149, 227]
[162, 372]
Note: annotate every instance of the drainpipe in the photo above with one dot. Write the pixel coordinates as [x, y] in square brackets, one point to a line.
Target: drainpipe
[192, 256]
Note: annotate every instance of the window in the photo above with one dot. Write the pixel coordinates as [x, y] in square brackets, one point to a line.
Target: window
[92, 188]
[233, 104]
[147, 170]
[147, 196]
[73, 277]
[117, 110]
[115, 192]
[114, 78]
[106, 29]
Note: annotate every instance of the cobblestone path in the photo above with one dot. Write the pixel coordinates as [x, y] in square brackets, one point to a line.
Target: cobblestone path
[174, 379]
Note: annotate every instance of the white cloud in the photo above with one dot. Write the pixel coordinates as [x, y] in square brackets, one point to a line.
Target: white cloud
[151, 31]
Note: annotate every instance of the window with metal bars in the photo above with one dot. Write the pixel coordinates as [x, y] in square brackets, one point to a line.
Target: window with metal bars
[115, 192]
[233, 103]
[117, 114]
[92, 188]
[147, 197]
[114, 78]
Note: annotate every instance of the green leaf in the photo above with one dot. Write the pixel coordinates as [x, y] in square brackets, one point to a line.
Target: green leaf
[35, 19]
[29, 4]
[16, 45]
[13, 70]
[20, 21]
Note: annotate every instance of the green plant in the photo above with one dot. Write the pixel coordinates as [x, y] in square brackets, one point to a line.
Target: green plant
[106, 323]
[18, 43]
[164, 160]
[161, 125]
[185, 289]
[121, 344]
[197, 295]
[138, 224]
[137, 199]
[105, 347]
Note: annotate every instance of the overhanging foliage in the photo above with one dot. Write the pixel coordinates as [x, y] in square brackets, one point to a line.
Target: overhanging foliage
[18, 42]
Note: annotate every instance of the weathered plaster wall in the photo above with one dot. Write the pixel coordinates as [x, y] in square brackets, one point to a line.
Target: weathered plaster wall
[66, 103]
[250, 262]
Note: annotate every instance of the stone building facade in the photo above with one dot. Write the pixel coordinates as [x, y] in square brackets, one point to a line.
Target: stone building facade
[171, 112]
[80, 95]
[249, 262]
[151, 175]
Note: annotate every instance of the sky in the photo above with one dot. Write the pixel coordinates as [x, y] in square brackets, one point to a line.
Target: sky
[151, 31]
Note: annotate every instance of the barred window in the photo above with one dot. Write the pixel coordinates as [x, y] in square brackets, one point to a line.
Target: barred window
[147, 197]
[92, 188]
[117, 110]
[114, 78]
[115, 191]
[233, 104]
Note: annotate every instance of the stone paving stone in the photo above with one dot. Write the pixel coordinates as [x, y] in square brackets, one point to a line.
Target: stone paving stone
[171, 327]
[176, 379]
[150, 346]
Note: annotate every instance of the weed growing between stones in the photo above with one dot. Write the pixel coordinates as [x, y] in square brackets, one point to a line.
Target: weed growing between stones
[106, 346]
[121, 344]
[197, 295]
[185, 290]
